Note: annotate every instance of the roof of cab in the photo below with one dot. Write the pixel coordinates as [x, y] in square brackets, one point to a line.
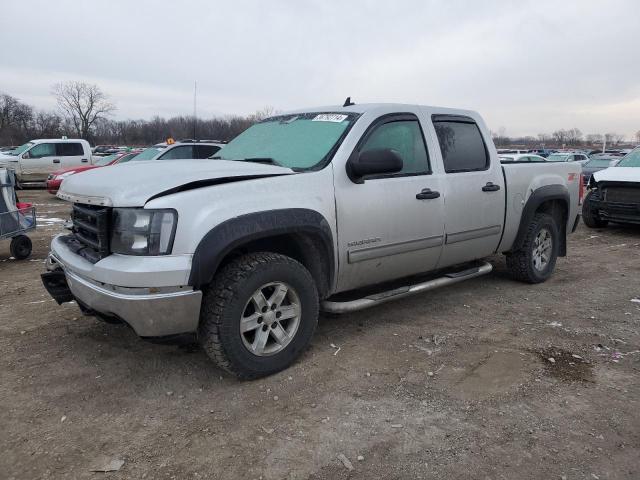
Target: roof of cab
[382, 107]
[57, 140]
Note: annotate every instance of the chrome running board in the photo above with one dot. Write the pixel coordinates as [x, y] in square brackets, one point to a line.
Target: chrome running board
[401, 292]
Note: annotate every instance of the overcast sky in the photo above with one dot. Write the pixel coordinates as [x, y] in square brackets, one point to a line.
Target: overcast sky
[527, 66]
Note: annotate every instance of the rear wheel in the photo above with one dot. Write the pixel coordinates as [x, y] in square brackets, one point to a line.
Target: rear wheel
[20, 247]
[259, 314]
[590, 215]
[536, 259]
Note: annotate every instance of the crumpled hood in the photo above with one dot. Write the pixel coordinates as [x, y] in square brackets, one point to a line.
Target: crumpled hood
[132, 184]
[618, 174]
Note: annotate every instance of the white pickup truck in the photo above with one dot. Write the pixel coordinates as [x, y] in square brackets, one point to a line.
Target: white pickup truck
[36, 160]
[324, 208]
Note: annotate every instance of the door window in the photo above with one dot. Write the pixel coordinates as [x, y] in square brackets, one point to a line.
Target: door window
[462, 146]
[205, 151]
[69, 149]
[43, 150]
[405, 137]
[178, 153]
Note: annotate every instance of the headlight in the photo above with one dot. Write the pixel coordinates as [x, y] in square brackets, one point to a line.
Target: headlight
[136, 231]
[62, 176]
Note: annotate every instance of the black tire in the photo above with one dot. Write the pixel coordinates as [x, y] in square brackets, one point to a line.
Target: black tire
[590, 216]
[20, 247]
[225, 302]
[521, 263]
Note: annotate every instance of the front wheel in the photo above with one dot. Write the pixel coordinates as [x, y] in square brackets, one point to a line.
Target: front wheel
[20, 247]
[590, 216]
[536, 259]
[259, 314]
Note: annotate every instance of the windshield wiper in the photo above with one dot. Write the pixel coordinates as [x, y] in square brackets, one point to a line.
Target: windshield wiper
[261, 160]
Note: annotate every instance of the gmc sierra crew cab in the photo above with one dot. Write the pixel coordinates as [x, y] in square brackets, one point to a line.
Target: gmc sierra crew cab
[37, 159]
[334, 209]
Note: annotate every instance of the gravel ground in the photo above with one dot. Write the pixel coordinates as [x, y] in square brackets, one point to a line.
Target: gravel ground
[487, 379]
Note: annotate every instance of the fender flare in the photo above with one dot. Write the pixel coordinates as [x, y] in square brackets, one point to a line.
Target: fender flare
[237, 231]
[537, 198]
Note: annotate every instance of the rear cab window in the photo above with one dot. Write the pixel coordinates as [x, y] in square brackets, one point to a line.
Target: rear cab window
[71, 149]
[461, 143]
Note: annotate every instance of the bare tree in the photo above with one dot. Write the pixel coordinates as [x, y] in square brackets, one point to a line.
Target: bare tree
[544, 137]
[83, 104]
[613, 139]
[595, 138]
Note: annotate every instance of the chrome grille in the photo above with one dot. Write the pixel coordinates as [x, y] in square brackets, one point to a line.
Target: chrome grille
[622, 195]
[91, 230]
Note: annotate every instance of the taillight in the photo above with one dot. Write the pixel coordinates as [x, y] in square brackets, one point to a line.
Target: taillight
[581, 191]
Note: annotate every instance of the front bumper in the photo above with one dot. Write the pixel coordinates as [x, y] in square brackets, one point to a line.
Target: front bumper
[617, 212]
[151, 312]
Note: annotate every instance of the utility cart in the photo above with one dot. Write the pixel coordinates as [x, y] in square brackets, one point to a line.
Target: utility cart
[16, 218]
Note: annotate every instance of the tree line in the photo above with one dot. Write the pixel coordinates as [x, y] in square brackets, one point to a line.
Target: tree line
[565, 138]
[84, 111]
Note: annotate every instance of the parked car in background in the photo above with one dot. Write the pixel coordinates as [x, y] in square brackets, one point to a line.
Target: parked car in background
[614, 194]
[521, 158]
[568, 157]
[242, 252]
[182, 150]
[510, 151]
[55, 179]
[543, 152]
[35, 160]
[595, 164]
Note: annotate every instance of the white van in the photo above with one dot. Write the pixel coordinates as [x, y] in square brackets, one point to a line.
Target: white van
[35, 160]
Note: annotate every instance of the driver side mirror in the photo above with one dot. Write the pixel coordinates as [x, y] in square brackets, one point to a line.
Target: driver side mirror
[373, 162]
[26, 155]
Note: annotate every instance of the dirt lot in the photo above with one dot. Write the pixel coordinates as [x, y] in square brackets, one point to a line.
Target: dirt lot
[455, 383]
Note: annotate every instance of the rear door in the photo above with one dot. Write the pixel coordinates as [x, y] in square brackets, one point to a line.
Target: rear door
[473, 190]
[37, 163]
[391, 225]
[71, 154]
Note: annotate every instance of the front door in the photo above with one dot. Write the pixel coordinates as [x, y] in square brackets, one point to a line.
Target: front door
[38, 162]
[390, 226]
[474, 191]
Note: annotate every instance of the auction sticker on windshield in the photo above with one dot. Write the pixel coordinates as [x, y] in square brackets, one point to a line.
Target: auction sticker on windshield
[329, 117]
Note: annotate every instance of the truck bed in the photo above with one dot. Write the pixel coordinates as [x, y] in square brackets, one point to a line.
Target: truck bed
[522, 179]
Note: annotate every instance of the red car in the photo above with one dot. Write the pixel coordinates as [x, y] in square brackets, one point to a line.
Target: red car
[55, 179]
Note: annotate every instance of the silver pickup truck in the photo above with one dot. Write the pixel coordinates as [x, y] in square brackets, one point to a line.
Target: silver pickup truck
[335, 209]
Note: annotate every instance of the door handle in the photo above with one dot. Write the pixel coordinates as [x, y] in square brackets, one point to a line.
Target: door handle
[56, 160]
[427, 194]
[491, 187]
[84, 160]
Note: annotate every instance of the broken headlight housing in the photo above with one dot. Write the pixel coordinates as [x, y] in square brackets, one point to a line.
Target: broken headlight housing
[137, 231]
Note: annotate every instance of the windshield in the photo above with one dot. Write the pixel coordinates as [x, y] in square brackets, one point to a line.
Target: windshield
[20, 149]
[127, 157]
[149, 153]
[557, 157]
[631, 160]
[299, 142]
[106, 160]
[599, 162]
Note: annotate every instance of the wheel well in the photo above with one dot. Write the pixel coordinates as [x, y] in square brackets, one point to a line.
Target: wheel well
[305, 248]
[559, 210]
